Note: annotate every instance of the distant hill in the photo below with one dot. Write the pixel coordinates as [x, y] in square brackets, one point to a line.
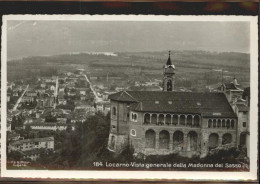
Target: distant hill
[190, 65]
[151, 58]
[200, 57]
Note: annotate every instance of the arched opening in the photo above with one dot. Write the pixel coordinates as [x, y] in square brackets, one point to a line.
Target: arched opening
[168, 119]
[147, 118]
[154, 119]
[243, 139]
[228, 123]
[226, 139]
[223, 123]
[164, 139]
[189, 120]
[112, 142]
[161, 119]
[182, 120]
[232, 123]
[214, 123]
[219, 123]
[192, 141]
[178, 140]
[175, 119]
[196, 120]
[213, 140]
[210, 123]
[150, 139]
[169, 85]
[114, 111]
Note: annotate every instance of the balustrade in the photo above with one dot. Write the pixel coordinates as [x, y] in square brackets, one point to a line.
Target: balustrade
[221, 123]
[172, 120]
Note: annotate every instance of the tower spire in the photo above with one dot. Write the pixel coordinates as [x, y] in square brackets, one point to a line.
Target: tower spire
[169, 62]
[168, 75]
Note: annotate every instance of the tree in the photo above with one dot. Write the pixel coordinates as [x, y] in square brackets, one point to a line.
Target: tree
[28, 128]
[13, 123]
[14, 155]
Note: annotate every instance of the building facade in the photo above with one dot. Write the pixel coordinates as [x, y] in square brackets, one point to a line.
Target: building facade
[165, 122]
[32, 144]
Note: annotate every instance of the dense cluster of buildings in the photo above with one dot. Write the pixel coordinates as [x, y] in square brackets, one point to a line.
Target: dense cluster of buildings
[30, 148]
[159, 121]
[49, 104]
[186, 123]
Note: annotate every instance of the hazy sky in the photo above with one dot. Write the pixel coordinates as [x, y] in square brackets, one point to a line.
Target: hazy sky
[31, 38]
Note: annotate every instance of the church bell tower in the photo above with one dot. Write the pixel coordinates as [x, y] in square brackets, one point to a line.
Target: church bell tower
[168, 75]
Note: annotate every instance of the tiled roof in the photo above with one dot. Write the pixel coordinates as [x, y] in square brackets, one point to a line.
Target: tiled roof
[122, 96]
[242, 108]
[230, 86]
[207, 104]
[169, 62]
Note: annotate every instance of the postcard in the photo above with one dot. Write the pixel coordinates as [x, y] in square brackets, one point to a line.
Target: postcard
[129, 97]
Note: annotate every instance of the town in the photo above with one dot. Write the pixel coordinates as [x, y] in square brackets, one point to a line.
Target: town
[44, 110]
[50, 104]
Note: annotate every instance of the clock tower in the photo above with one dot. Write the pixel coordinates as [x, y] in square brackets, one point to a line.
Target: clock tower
[168, 75]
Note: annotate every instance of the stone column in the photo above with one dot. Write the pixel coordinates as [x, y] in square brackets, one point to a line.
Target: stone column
[157, 119]
[185, 140]
[171, 142]
[192, 122]
[185, 120]
[220, 140]
[150, 118]
[171, 119]
[204, 144]
[156, 140]
[178, 119]
[164, 116]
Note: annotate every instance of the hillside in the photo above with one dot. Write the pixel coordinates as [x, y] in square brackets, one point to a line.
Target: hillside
[189, 64]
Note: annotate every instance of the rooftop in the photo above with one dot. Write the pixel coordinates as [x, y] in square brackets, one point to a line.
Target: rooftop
[206, 104]
[45, 139]
[242, 108]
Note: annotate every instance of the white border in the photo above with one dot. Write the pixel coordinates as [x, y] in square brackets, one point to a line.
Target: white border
[151, 175]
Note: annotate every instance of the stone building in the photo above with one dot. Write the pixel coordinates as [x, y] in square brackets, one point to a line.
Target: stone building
[31, 144]
[165, 122]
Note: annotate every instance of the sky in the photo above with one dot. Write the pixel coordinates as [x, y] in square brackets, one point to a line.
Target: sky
[34, 38]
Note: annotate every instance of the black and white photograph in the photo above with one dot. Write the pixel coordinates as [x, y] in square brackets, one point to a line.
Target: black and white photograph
[124, 94]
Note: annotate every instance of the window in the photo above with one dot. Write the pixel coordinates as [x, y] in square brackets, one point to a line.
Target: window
[244, 124]
[214, 123]
[210, 123]
[133, 132]
[112, 142]
[114, 111]
[232, 123]
[134, 116]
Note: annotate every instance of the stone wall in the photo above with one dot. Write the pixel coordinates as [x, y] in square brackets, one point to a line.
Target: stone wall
[206, 132]
[120, 142]
[194, 139]
[139, 140]
[242, 117]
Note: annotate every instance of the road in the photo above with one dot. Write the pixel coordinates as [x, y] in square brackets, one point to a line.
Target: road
[56, 92]
[97, 99]
[20, 99]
